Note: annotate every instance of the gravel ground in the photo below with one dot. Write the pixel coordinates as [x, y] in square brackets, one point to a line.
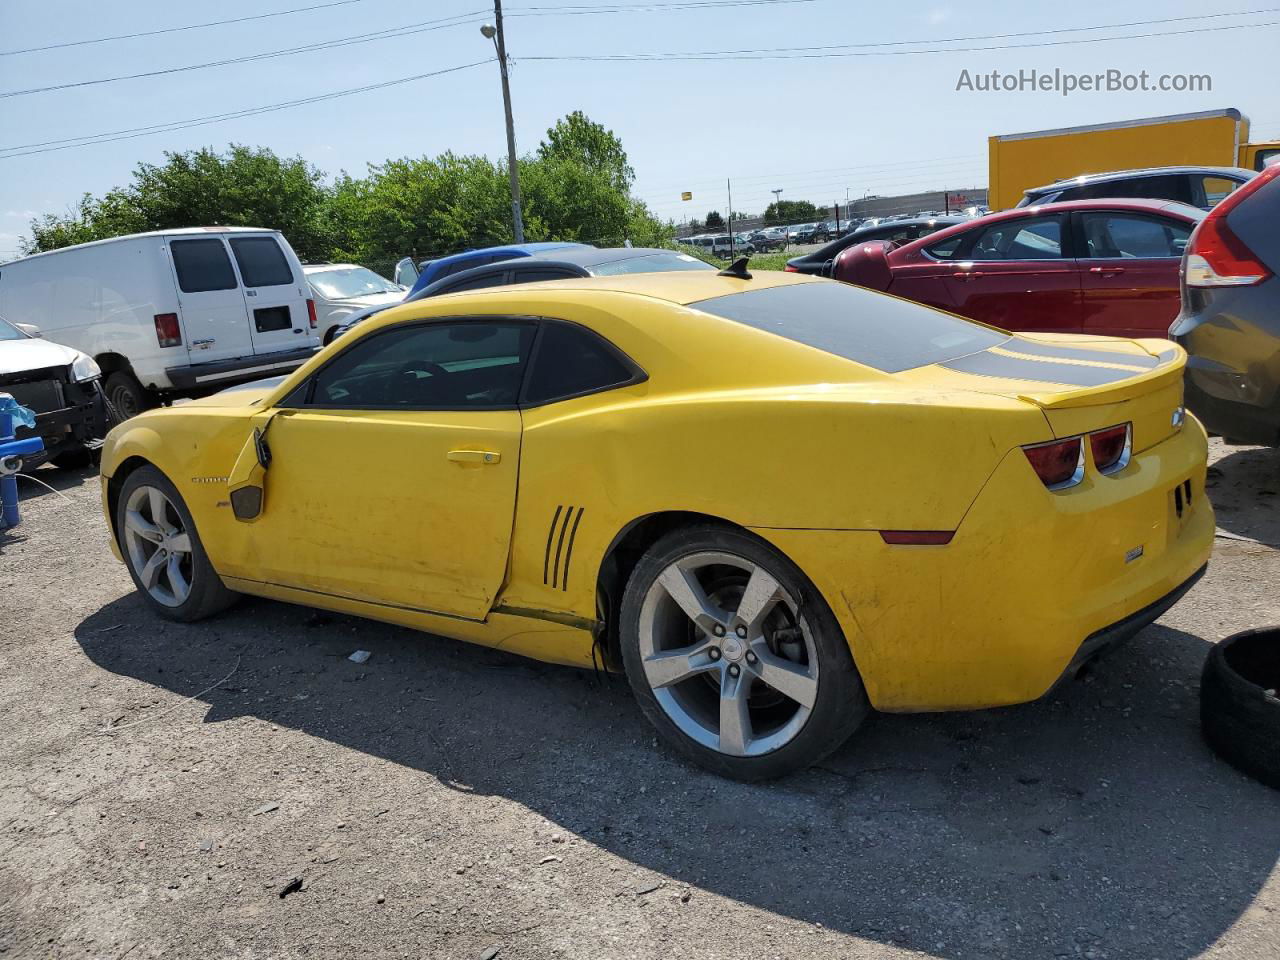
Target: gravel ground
[239, 789]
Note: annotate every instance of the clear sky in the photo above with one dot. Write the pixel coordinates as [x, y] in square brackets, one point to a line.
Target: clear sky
[814, 127]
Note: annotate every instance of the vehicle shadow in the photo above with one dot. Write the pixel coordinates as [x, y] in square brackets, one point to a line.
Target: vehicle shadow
[1244, 486]
[1095, 817]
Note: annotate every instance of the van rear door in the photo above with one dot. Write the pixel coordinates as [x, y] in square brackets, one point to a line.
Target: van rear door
[275, 297]
[210, 300]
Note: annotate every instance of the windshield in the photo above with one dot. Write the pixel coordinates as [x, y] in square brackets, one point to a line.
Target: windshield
[653, 263]
[875, 330]
[348, 282]
[9, 332]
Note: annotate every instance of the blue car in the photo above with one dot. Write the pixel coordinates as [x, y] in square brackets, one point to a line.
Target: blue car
[433, 270]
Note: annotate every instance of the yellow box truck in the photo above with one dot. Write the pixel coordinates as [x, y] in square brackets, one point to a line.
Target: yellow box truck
[1220, 138]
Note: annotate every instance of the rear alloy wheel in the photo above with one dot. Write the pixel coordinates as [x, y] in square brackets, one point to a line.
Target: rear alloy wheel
[735, 657]
[163, 552]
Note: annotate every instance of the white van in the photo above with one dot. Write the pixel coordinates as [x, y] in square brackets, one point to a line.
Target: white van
[170, 313]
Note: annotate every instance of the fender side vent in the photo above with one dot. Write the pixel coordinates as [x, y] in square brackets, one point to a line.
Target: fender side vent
[561, 534]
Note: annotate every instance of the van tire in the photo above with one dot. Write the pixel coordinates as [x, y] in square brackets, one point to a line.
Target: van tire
[126, 395]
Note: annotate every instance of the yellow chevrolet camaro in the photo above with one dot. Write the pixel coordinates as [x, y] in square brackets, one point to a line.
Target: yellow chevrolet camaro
[774, 502]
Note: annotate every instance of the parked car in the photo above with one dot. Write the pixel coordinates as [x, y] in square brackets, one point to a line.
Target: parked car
[770, 238]
[555, 500]
[429, 271]
[62, 387]
[819, 262]
[170, 313]
[559, 264]
[1084, 266]
[721, 246]
[801, 232]
[343, 289]
[1230, 317]
[1198, 186]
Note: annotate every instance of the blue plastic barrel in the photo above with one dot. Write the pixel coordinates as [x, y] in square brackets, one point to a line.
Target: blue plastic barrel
[10, 447]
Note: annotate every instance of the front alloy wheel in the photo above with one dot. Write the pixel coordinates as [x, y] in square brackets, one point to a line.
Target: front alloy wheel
[159, 546]
[735, 657]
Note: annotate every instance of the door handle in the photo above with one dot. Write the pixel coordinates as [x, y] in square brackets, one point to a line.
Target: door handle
[1106, 271]
[966, 274]
[475, 456]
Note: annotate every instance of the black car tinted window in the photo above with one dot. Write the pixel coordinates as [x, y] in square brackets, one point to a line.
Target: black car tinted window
[436, 366]
[202, 265]
[536, 276]
[1034, 238]
[1165, 186]
[495, 279]
[572, 361]
[262, 262]
[1118, 235]
[868, 328]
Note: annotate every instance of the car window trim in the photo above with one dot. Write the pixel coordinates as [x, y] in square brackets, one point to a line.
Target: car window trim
[638, 374]
[309, 387]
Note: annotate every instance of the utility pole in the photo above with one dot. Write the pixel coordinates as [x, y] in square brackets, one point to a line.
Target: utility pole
[728, 184]
[495, 33]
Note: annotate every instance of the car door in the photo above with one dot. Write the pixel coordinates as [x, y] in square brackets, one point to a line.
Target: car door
[1017, 274]
[275, 300]
[210, 301]
[1129, 271]
[393, 469]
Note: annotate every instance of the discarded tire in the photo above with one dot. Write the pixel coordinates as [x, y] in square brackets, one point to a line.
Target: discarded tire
[1240, 702]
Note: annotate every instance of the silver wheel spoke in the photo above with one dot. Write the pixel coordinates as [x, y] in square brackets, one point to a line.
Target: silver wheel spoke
[180, 543]
[672, 666]
[759, 597]
[684, 589]
[137, 524]
[789, 679]
[150, 571]
[735, 719]
[177, 582]
[158, 504]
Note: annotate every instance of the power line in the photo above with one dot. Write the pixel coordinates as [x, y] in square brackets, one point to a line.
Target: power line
[783, 53]
[50, 146]
[189, 26]
[579, 10]
[426, 26]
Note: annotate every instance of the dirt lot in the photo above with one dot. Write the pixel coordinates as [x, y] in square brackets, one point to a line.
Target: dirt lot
[163, 785]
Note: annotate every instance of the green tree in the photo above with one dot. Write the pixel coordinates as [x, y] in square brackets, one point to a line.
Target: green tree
[715, 221]
[791, 211]
[578, 138]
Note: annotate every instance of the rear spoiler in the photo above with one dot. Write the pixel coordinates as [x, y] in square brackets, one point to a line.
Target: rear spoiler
[1172, 359]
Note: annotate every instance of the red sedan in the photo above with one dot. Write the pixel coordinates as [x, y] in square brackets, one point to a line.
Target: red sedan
[1084, 266]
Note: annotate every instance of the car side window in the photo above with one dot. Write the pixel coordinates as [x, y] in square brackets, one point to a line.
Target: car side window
[1035, 238]
[496, 279]
[947, 249]
[1121, 235]
[262, 262]
[448, 365]
[572, 361]
[1165, 186]
[536, 276]
[202, 265]
[1217, 189]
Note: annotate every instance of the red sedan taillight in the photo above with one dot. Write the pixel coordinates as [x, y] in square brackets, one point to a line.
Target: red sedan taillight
[1110, 448]
[167, 330]
[1059, 463]
[1216, 257]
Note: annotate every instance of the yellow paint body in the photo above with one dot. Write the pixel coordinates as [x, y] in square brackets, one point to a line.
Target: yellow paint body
[1020, 161]
[366, 512]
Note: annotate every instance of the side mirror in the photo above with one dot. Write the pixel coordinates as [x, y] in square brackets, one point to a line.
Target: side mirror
[30, 329]
[247, 482]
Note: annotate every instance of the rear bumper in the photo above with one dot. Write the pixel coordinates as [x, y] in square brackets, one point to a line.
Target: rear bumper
[1244, 422]
[222, 373]
[1029, 581]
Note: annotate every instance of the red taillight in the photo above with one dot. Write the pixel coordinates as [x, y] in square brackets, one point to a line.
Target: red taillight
[920, 537]
[1216, 257]
[311, 314]
[1110, 448]
[790, 269]
[1058, 464]
[167, 330]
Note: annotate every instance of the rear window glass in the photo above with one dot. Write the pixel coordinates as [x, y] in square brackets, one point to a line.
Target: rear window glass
[202, 265]
[572, 361]
[654, 263]
[262, 262]
[868, 328]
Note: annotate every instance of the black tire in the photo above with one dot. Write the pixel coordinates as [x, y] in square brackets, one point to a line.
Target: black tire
[74, 459]
[1239, 705]
[208, 594]
[840, 704]
[126, 395]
